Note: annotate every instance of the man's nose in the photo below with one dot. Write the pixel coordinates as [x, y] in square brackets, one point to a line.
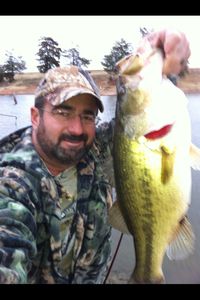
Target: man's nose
[75, 126]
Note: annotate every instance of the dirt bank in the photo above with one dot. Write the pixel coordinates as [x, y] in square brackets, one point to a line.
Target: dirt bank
[26, 83]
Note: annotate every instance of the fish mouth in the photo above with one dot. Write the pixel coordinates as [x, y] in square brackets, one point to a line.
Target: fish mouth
[157, 134]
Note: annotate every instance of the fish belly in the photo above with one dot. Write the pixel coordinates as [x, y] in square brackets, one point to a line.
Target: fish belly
[152, 209]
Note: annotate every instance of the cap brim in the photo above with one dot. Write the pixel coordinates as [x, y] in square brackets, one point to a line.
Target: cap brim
[67, 93]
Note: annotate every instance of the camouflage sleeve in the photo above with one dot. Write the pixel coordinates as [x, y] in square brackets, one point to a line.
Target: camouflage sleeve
[17, 228]
[103, 146]
[104, 137]
[96, 272]
[92, 265]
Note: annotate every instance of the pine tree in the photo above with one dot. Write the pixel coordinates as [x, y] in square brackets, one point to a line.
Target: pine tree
[12, 66]
[74, 58]
[119, 50]
[49, 54]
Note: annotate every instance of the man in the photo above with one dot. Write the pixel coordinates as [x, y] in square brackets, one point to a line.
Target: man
[54, 195]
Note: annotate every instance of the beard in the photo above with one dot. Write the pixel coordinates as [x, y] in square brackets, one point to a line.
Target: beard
[54, 150]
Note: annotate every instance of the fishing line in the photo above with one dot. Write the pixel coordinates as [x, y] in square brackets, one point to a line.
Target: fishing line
[113, 259]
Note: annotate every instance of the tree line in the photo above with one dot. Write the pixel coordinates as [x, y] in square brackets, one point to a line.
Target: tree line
[49, 55]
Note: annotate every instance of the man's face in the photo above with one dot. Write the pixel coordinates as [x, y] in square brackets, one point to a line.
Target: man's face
[63, 134]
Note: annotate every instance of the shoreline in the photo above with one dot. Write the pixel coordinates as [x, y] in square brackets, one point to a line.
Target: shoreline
[26, 83]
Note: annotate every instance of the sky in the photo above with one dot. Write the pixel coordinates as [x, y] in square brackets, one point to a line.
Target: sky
[93, 36]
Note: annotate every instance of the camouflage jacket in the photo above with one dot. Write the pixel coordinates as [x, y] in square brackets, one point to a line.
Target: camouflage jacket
[30, 213]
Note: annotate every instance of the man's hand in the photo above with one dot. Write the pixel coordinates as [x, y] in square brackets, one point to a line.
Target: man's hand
[175, 47]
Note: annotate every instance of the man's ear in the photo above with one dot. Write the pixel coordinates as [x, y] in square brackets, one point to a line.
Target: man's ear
[35, 117]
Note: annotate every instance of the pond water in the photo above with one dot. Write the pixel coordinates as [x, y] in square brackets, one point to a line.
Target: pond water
[14, 116]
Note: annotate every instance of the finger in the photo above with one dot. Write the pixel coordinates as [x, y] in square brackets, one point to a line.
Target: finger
[177, 42]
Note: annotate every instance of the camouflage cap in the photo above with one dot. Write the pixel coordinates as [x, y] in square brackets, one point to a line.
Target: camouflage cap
[60, 84]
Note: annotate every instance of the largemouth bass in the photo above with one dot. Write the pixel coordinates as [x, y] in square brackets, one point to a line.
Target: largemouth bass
[152, 157]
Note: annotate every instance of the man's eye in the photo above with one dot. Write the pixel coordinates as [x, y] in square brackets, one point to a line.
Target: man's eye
[63, 113]
[90, 118]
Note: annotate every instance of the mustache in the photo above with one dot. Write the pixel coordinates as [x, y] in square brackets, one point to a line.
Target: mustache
[71, 138]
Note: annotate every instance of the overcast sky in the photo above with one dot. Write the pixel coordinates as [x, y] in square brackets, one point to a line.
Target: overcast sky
[93, 36]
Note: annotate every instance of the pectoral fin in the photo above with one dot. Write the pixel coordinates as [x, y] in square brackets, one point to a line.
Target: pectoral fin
[116, 219]
[195, 157]
[183, 242]
[167, 163]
